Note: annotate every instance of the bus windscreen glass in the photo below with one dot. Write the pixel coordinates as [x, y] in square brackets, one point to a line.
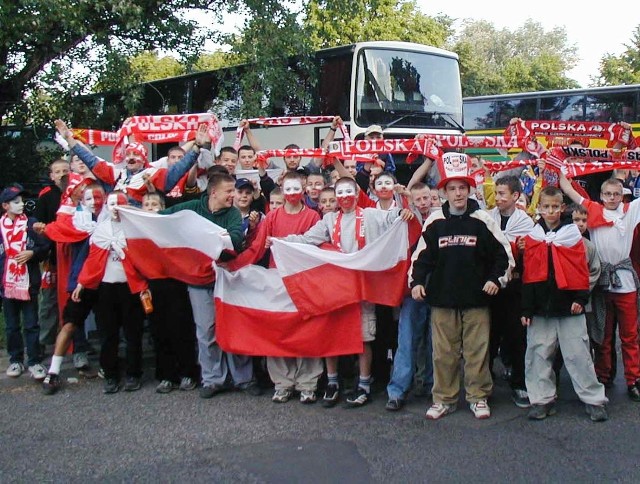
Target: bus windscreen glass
[407, 89]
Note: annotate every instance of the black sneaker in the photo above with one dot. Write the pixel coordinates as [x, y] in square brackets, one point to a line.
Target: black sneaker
[111, 385]
[132, 383]
[520, 398]
[540, 412]
[597, 413]
[331, 396]
[252, 388]
[51, 384]
[210, 390]
[634, 392]
[359, 398]
[394, 404]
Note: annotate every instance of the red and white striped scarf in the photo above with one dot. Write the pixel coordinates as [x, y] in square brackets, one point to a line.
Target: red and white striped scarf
[16, 276]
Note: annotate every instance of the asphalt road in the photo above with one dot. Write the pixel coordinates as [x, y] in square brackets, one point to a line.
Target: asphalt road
[81, 435]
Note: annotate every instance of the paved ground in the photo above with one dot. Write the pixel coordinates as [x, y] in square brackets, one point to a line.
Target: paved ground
[81, 435]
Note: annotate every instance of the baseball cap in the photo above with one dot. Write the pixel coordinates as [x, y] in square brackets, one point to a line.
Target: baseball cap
[374, 128]
[10, 193]
[244, 183]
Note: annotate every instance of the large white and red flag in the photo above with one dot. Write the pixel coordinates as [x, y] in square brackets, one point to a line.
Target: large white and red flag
[319, 280]
[181, 246]
[256, 316]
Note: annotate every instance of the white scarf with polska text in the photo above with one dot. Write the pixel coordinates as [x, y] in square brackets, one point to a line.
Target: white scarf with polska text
[16, 276]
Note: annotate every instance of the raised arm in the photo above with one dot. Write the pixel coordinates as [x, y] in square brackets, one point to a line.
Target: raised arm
[420, 173]
[246, 129]
[569, 191]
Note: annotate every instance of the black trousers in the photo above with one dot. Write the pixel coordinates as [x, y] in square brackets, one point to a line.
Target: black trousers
[173, 330]
[117, 308]
[508, 334]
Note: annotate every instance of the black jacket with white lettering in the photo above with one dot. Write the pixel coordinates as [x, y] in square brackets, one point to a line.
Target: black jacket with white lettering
[457, 255]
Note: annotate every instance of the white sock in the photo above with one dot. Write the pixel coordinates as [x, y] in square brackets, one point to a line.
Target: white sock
[56, 363]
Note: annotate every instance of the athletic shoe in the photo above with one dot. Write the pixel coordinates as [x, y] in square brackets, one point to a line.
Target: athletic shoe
[331, 396]
[480, 409]
[187, 384]
[438, 410]
[166, 386]
[80, 361]
[540, 412]
[520, 398]
[111, 385]
[101, 373]
[359, 398]
[38, 372]
[281, 396]
[632, 390]
[308, 396]
[209, 391]
[15, 370]
[394, 404]
[51, 384]
[132, 383]
[597, 413]
[252, 388]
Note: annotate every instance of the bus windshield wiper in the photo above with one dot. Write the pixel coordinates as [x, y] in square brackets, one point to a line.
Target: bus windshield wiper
[429, 114]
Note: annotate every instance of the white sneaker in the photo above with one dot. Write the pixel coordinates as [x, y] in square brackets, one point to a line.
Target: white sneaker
[15, 370]
[281, 396]
[480, 409]
[307, 396]
[438, 410]
[38, 372]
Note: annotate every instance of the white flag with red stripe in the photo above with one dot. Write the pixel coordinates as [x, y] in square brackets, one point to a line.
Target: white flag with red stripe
[320, 280]
[181, 246]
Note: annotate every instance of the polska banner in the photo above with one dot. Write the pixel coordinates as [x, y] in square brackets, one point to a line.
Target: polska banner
[166, 129]
[95, 137]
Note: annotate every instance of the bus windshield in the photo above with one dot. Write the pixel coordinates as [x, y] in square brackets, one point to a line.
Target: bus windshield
[403, 88]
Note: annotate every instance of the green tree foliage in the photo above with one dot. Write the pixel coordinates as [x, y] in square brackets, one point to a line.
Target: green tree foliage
[528, 58]
[48, 37]
[622, 69]
[332, 22]
[149, 66]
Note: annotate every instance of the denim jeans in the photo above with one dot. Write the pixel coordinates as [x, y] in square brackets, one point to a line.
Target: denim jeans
[15, 342]
[414, 321]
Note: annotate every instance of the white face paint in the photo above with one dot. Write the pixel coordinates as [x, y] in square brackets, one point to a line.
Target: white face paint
[90, 201]
[112, 202]
[291, 187]
[345, 190]
[16, 206]
[384, 183]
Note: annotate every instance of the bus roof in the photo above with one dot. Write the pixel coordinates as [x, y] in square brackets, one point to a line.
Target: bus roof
[385, 44]
[576, 92]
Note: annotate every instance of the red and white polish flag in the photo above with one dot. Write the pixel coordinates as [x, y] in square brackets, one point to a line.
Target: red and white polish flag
[319, 280]
[181, 246]
[256, 316]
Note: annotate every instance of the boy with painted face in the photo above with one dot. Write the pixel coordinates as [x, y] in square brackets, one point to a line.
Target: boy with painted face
[118, 286]
[288, 374]
[349, 230]
[21, 252]
[384, 185]
[75, 234]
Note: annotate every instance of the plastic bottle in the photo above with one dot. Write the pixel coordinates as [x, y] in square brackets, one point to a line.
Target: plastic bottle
[147, 303]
